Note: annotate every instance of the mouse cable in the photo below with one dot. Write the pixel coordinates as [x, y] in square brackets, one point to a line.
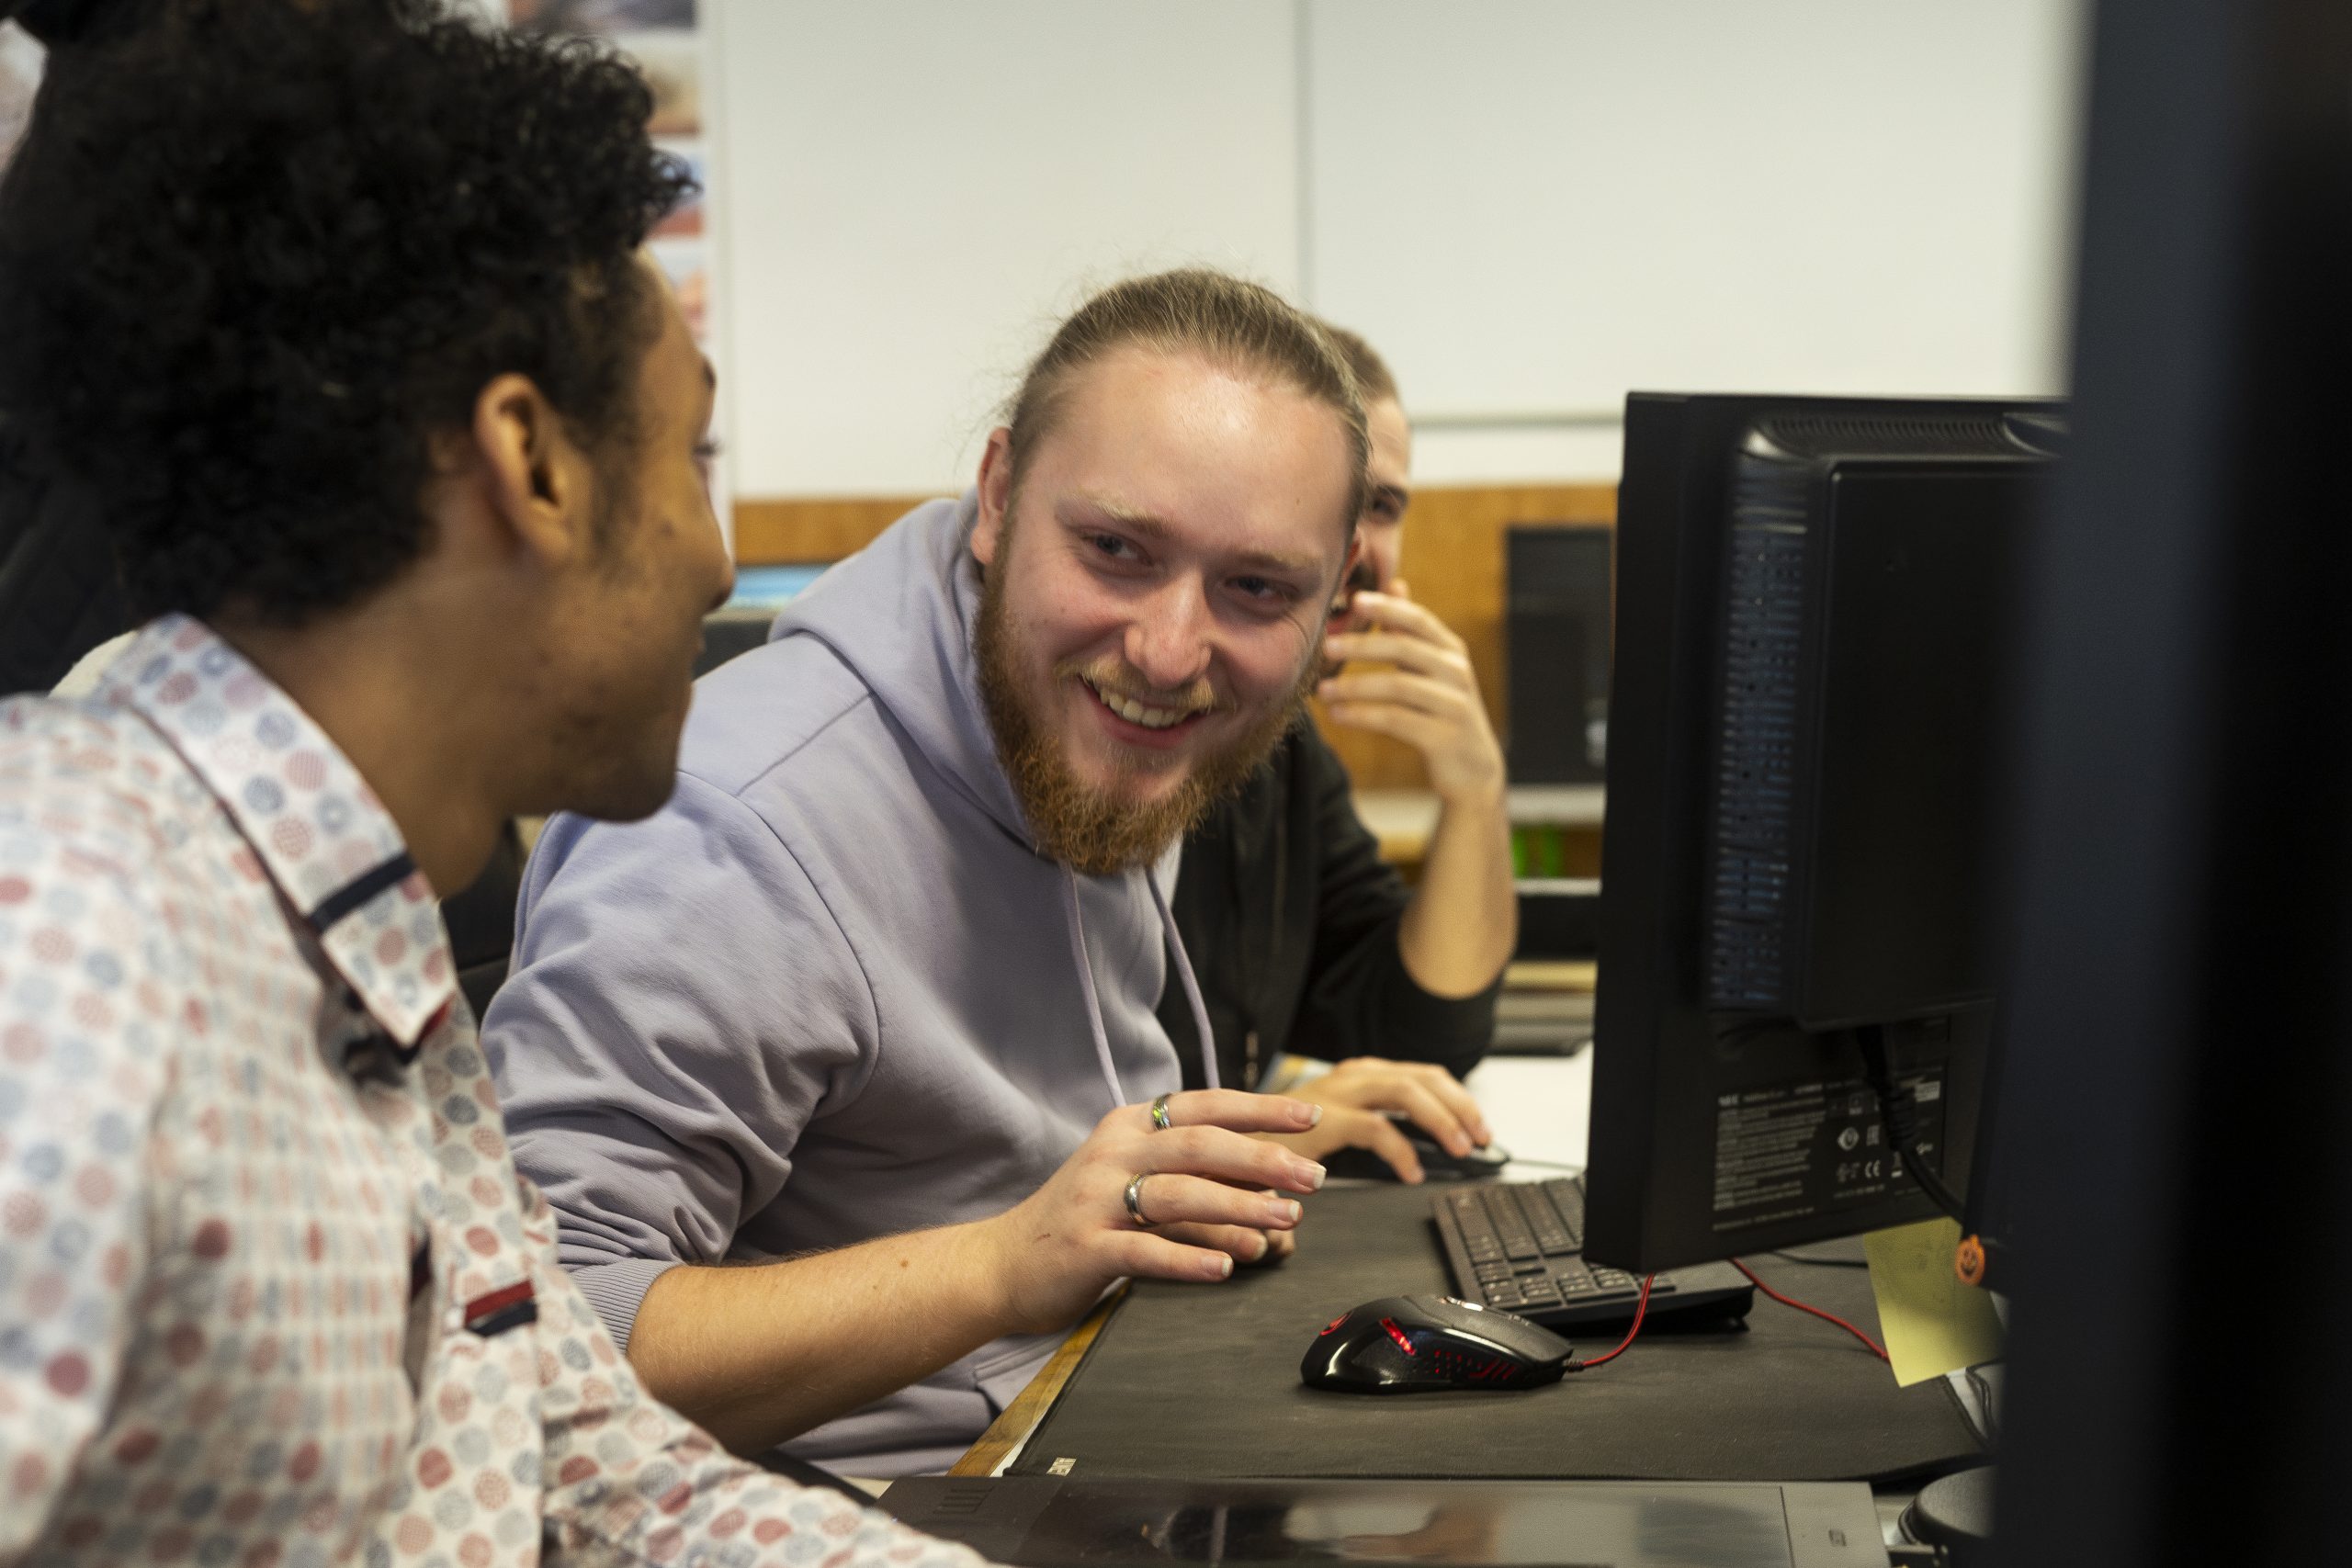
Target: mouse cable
[1876, 1348]
[1640, 1308]
[1815, 1260]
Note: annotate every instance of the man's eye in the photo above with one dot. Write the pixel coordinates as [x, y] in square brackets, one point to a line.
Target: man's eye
[1114, 547]
[1264, 589]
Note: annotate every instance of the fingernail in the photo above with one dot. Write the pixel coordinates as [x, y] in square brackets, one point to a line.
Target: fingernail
[1225, 1266]
[1265, 1246]
[1312, 1175]
[1313, 1115]
[1284, 1212]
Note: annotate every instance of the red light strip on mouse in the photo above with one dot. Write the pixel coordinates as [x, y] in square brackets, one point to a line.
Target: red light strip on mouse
[1399, 1334]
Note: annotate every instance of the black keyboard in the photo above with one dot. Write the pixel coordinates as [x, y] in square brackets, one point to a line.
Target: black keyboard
[1519, 1246]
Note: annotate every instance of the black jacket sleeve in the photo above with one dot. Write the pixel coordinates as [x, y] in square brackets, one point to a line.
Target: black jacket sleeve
[1360, 1001]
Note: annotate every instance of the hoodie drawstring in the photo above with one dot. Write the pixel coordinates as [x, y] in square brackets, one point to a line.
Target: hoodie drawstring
[1094, 1004]
[1192, 986]
[1086, 984]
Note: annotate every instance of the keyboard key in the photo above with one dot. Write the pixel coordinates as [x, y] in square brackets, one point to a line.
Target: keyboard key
[1567, 1193]
[1544, 1221]
[1510, 1225]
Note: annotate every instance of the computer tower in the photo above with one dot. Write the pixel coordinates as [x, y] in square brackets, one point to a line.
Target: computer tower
[1556, 651]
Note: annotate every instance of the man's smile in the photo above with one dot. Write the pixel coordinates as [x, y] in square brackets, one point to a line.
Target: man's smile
[1135, 711]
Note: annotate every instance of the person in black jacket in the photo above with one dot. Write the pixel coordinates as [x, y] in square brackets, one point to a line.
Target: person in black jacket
[1303, 941]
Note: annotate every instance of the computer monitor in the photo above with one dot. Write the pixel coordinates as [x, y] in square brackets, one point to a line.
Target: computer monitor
[1815, 619]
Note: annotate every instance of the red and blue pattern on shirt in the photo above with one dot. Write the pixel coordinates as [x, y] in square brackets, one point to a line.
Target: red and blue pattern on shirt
[271, 1293]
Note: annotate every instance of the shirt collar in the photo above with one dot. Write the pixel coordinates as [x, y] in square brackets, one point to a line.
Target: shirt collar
[315, 828]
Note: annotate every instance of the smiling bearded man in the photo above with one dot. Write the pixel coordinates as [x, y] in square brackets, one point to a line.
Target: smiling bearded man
[871, 1003]
[1098, 828]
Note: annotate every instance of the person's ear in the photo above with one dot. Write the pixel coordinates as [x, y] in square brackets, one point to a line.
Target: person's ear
[996, 496]
[539, 482]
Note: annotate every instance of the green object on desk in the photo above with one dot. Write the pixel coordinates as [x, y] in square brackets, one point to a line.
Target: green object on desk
[1538, 849]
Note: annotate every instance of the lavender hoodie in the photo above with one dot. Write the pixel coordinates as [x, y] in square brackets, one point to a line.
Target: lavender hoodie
[830, 991]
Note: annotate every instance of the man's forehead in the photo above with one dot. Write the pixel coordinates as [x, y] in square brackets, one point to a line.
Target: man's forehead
[1185, 450]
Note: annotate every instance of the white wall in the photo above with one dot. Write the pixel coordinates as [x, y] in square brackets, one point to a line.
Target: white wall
[1531, 206]
[918, 189]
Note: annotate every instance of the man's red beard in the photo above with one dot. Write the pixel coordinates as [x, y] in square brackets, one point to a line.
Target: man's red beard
[1093, 831]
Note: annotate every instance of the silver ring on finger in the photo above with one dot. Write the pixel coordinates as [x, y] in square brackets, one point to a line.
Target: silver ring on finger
[1159, 1121]
[1135, 1201]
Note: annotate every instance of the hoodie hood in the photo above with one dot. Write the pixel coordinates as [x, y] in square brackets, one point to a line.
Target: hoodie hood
[902, 614]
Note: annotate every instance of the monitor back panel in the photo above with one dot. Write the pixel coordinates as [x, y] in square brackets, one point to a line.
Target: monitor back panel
[1720, 1125]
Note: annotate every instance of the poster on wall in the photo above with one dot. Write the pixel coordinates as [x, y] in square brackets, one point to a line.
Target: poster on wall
[669, 42]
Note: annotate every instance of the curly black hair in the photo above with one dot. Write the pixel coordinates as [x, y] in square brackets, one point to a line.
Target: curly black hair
[256, 253]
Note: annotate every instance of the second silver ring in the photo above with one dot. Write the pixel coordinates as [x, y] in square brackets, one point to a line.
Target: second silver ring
[1135, 1200]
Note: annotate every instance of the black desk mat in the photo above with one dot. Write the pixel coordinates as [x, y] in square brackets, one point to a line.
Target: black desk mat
[1202, 1381]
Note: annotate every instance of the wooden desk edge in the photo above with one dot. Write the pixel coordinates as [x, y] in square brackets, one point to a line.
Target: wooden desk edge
[1028, 1408]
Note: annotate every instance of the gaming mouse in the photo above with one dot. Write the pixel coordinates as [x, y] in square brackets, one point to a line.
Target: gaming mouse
[1436, 1163]
[1421, 1343]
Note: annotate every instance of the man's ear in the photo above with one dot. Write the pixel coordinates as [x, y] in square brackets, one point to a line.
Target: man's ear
[1335, 609]
[537, 479]
[996, 496]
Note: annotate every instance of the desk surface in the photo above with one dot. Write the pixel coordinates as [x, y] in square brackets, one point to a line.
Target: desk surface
[1536, 1107]
[1783, 1401]
[1202, 1382]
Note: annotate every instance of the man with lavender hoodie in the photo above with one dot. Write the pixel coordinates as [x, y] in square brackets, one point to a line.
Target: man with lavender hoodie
[870, 1003]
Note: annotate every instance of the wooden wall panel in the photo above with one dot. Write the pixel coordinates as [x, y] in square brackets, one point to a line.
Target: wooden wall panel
[812, 533]
[1453, 562]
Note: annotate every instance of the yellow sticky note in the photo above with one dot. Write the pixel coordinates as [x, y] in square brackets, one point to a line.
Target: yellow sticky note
[1933, 1323]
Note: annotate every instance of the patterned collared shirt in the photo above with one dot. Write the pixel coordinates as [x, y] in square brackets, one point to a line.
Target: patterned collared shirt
[271, 1293]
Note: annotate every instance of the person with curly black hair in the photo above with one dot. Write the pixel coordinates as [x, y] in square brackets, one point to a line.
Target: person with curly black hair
[337, 308]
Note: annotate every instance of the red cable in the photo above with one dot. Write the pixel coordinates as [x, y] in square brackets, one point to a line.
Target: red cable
[1876, 1348]
[1639, 1308]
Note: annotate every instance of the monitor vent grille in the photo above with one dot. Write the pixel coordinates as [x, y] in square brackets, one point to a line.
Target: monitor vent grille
[1756, 746]
[1822, 434]
[962, 1502]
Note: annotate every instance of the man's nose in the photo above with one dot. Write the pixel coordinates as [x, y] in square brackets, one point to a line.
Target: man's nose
[1168, 644]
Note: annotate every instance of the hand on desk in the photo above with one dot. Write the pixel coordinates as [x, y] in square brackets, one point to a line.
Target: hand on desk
[1354, 1094]
[759, 1355]
[1212, 1197]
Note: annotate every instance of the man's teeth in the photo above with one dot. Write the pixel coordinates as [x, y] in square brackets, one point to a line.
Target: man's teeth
[1135, 712]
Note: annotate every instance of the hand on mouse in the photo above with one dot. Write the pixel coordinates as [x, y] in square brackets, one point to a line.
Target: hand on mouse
[1211, 1196]
[1354, 1094]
